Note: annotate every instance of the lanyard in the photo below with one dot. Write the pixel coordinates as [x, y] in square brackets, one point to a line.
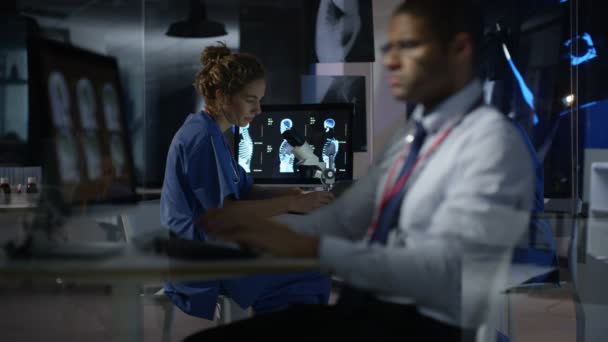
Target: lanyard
[390, 192]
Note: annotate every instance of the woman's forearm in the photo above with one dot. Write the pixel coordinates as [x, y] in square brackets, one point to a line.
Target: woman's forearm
[237, 212]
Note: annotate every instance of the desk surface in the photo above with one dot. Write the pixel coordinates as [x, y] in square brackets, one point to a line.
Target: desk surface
[146, 268]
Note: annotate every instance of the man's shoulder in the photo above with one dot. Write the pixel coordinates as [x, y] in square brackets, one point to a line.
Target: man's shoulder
[488, 120]
[491, 133]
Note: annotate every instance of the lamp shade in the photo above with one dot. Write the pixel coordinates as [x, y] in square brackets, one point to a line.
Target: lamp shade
[197, 25]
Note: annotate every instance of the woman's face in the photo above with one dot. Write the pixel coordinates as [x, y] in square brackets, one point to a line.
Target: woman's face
[245, 105]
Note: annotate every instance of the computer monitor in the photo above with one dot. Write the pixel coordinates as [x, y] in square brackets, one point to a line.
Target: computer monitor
[78, 128]
[261, 150]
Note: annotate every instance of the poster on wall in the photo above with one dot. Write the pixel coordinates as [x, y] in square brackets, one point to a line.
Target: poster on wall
[340, 89]
[341, 31]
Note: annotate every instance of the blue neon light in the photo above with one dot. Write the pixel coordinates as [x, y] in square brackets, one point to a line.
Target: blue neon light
[589, 55]
[586, 105]
[525, 90]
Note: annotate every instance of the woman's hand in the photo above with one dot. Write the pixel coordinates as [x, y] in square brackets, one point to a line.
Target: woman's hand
[305, 203]
[293, 192]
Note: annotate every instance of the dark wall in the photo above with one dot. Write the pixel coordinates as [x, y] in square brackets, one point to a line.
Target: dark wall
[274, 31]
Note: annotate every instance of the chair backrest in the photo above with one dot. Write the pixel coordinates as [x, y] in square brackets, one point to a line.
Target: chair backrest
[143, 220]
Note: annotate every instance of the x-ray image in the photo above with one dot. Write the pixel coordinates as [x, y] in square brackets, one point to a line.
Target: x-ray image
[286, 157]
[331, 145]
[110, 107]
[86, 103]
[340, 89]
[118, 154]
[67, 157]
[245, 148]
[92, 155]
[343, 31]
[325, 127]
[88, 143]
[59, 97]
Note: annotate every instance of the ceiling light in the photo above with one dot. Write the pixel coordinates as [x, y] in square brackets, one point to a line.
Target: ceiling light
[197, 25]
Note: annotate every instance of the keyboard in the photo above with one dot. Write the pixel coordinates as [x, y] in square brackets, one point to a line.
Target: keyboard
[198, 250]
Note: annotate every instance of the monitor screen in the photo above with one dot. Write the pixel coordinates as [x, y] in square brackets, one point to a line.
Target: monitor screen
[80, 124]
[261, 150]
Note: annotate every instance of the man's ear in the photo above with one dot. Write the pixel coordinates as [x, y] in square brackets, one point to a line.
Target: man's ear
[462, 45]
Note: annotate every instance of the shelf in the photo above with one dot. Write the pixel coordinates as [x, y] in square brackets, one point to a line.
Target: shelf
[599, 212]
[600, 167]
[13, 82]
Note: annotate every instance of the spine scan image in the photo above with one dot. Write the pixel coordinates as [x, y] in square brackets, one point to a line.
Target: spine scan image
[331, 145]
[245, 149]
[86, 103]
[286, 156]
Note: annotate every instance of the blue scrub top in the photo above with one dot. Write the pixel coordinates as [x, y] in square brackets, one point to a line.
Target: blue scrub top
[201, 172]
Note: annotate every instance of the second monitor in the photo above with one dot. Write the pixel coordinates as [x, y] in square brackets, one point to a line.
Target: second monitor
[261, 150]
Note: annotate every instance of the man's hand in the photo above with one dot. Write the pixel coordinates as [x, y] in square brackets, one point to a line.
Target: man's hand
[305, 203]
[271, 238]
[292, 192]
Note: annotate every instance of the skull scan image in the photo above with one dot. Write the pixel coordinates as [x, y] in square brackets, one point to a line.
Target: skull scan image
[60, 99]
[337, 29]
[86, 103]
[331, 145]
[286, 157]
[245, 148]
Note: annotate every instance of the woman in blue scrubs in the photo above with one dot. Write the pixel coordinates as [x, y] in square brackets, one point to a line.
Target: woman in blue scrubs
[204, 186]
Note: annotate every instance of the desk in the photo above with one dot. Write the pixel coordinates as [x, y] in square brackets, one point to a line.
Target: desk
[128, 272]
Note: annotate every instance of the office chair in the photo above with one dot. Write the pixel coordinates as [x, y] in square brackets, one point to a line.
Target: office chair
[128, 226]
[140, 221]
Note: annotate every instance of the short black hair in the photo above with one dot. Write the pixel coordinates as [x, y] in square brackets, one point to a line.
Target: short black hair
[446, 18]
